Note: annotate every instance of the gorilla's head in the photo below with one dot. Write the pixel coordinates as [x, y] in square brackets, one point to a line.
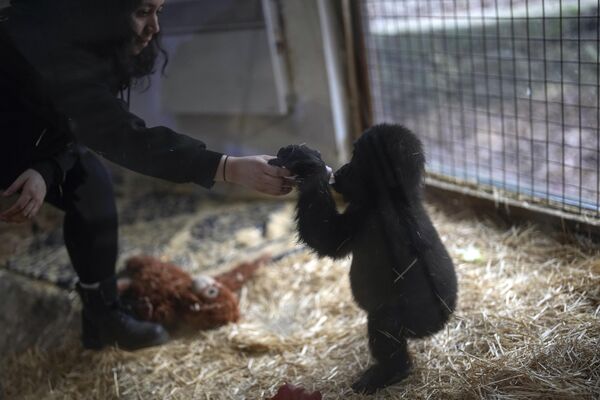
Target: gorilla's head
[385, 157]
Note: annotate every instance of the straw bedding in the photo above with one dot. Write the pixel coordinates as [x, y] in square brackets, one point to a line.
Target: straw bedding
[527, 326]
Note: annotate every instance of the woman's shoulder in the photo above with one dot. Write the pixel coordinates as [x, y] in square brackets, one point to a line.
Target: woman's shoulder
[60, 62]
[75, 65]
[80, 60]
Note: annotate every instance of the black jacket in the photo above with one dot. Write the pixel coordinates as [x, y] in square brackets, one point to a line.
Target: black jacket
[83, 86]
[32, 133]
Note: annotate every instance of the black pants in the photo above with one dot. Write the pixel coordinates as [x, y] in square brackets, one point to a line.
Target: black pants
[90, 224]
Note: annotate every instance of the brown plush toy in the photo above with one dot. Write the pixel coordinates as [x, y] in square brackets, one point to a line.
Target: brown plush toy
[162, 292]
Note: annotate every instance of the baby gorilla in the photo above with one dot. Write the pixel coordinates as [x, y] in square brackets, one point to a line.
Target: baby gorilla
[401, 273]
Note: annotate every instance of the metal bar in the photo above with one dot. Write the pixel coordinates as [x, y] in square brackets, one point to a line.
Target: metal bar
[546, 105]
[351, 48]
[366, 100]
[465, 155]
[448, 103]
[562, 98]
[498, 197]
[487, 91]
[437, 93]
[530, 95]
[517, 38]
[474, 90]
[422, 58]
[515, 101]
[579, 98]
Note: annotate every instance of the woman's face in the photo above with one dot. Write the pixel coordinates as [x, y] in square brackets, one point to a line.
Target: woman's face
[145, 23]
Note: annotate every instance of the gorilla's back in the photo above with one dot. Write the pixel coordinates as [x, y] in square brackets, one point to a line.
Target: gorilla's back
[418, 283]
[434, 286]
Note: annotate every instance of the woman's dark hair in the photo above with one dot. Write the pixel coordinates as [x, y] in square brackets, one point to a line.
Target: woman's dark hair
[101, 26]
[131, 69]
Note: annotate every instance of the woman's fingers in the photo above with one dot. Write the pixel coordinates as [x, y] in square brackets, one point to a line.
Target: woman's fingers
[16, 185]
[33, 191]
[19, 205]
[278, 172]
[272, 169]
[273, 190]
[278, 179]
[272, 187]
[16, 208]
[31, 209]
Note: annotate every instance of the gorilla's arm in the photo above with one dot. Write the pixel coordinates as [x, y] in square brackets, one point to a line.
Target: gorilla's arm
[320, 225]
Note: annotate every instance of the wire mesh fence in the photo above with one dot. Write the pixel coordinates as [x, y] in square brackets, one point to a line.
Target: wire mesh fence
[503, 93]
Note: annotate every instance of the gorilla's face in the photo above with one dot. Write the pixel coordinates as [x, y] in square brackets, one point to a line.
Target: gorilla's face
[341, 179]
[352, 182]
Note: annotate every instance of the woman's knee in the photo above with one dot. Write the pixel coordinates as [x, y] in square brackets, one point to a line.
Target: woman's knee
[88, 187]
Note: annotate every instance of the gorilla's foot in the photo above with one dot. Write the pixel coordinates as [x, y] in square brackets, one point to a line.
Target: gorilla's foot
[378, 376]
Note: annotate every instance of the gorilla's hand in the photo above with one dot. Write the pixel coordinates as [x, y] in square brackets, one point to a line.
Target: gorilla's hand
[302, 161]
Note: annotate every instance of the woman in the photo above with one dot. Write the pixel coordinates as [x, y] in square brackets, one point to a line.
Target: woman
[92, 50]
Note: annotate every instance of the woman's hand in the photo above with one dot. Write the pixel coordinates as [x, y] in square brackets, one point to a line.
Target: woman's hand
[32, 187]
[255, 173]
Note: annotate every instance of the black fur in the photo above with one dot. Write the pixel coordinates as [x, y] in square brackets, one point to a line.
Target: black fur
[401, 273]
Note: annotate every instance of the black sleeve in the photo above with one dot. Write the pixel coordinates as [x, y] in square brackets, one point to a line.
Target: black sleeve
[32, 130]
[101, 122]
[49, 171]
[54, 168]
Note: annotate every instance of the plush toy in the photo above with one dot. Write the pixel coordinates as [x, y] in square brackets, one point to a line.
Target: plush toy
[162, 292]
[401, 273]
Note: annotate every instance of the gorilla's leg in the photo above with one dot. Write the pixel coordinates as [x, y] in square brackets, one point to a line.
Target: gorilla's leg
[387, 342]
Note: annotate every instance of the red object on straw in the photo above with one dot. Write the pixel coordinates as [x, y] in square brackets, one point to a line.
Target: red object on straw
[291, 392]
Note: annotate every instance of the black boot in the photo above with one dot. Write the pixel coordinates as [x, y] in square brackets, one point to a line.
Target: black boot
[104, 323]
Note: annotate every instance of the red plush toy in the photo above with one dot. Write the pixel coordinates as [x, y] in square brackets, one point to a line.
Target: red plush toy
[162, 292]
[291, 392]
